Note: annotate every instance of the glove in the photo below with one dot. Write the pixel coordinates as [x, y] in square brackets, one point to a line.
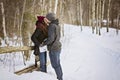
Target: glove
[36, 51]
[41, 45]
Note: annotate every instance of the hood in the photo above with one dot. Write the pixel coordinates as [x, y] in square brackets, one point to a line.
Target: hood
[40, 18]
[51, 16]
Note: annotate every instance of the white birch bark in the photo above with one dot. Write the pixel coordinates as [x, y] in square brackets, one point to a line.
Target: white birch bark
[18, 20]
[89, 13]
[78, 12]
[108, 15]
[103, 5]
[61, 18]
[97, 17]
[3, 20]
[33, 5]
[100, 18]
[81, 13]
[50, 9]
[56, 4]
[93, 16]
[42, 7]
[21, 22]
[118, 22]
[22, 17]
[15, 19]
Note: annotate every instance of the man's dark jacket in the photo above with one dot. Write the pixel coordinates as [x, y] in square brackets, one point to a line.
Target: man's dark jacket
[53, 40]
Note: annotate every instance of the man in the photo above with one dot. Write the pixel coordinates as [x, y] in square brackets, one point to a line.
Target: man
[53, 44]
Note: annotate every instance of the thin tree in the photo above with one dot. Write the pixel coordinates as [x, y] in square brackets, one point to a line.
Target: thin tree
[89, 12]
[50, 8]
[96, 15]
[118, 23]
[108, 15]
[21, 23]
[22, 16]
[3, 22]
[93, 16]
[61, 16]
[103, 7]
[81, 15]
[100, 14]
[56, 4]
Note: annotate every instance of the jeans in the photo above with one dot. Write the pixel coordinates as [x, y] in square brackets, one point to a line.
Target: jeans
[55, 62]
[43, 61]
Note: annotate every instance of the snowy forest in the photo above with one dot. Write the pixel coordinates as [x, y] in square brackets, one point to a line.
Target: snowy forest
[19, 16]
[97, 20]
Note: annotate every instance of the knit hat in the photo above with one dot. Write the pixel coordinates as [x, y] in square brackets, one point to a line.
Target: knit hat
[40, 18]
[50, 16]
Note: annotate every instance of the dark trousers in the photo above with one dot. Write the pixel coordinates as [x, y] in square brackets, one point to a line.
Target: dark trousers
[43, 61]
[55, 62]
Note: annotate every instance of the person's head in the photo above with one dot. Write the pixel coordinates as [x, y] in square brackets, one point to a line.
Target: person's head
[43, 20]
[41, 24]
[40, 19]
[51, 16]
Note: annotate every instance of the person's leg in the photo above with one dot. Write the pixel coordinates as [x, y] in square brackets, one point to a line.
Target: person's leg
[43, 60]
[55, 62]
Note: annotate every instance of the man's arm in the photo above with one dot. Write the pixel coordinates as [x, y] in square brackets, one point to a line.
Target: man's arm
[51, 35]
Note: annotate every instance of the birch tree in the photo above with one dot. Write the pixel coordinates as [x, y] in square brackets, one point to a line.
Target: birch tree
[93, 15]
[61, 16]
[81, 14]
[108, 15]
[3, 21]
[96, 15]
[103, 7]
[56, 4]
[50, 8]
[118, 23]
[24, 5]
[90, 13]
[99, 16]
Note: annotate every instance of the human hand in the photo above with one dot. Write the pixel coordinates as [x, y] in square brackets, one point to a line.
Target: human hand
[42, 44]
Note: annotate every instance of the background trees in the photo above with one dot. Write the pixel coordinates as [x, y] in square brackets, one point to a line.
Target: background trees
[17, 17]
[17, 14]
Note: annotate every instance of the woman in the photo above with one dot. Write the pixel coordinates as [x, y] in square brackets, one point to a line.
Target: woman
[39, 35]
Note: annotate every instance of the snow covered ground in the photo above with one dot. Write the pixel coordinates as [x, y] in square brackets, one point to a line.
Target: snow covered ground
[84, 56]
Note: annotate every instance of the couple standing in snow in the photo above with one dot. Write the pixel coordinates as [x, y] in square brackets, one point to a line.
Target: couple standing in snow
[48, 33]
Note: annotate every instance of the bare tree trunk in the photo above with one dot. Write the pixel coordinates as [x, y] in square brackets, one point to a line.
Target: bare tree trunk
[118, 22]
[103, 5]
[56, 3]
[61, 18]
[32, 11]
[42, 7]
[100, 18]
[97, 17]
[81, 14]
[77, 12]
[25, 56]
[93, 16]
[108, 16]
[22, 17]
[18, 22]
[25, 27]
[3, 20]
[50, 8]
[15, 19]
[89, 13]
